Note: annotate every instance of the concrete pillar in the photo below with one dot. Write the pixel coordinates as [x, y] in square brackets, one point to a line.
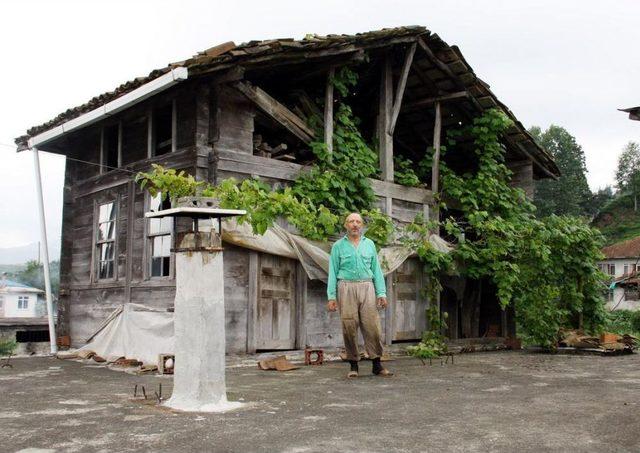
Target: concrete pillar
[199, 322]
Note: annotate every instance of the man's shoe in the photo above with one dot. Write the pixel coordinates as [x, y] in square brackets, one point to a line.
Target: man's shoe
[352, 374]
[383, 372]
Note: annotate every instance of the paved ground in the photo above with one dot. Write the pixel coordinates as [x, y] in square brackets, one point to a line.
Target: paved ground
[485, 402]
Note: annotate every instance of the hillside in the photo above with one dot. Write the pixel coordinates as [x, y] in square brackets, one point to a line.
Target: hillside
[617, 220]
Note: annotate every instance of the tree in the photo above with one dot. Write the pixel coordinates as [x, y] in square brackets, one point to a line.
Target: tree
[33, 275]
[570, 193]
[599, 200]
[628, 171]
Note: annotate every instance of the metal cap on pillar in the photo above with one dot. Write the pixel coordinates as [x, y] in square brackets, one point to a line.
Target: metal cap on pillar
[199, 317]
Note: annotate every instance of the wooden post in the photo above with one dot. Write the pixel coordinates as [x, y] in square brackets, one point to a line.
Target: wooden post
[435, 166]
[252, 302]
[328, 112]
[385, 140]
[385, 143]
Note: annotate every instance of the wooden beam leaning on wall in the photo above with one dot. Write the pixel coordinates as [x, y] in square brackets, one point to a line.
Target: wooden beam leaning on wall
[279, 112]
[402, 83]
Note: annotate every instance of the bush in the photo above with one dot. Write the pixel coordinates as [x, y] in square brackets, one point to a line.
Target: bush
[7, 347]
[635, 321]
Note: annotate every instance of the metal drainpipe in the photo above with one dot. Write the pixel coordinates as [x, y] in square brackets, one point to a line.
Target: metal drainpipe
[45, 254]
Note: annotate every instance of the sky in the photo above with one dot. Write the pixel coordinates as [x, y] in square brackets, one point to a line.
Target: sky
[569, 63]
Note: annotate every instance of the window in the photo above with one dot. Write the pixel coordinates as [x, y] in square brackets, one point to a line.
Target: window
[631, 292]
[1, 302]
[601, 267]
[625, 269]
[110, 147]
[612, 269]
[159, 237]
[163, 129]
[106, 241]
[23, 302]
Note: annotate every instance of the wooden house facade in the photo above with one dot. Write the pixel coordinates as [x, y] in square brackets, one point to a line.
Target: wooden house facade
[241, 111]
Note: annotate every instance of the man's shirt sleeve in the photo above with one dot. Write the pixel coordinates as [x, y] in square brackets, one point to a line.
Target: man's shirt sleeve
[332, 283]
[378, 276]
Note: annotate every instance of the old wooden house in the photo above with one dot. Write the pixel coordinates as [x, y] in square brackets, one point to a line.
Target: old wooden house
[239, 110]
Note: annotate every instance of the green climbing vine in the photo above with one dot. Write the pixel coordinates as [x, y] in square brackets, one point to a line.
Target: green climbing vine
[547, 267]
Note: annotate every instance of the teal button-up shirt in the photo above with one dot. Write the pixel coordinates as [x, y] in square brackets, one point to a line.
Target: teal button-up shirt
[350, 263]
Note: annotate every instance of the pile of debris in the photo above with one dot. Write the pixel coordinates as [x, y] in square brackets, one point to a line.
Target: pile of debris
[607, 343]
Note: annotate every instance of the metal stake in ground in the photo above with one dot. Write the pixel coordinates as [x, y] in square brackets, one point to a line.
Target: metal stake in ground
[199, 319]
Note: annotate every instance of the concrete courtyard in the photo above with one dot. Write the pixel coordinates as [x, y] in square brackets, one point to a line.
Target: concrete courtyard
[504, 401]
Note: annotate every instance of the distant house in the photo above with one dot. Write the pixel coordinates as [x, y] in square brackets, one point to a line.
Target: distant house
[20, 301]
[23, 317]
[622, 263]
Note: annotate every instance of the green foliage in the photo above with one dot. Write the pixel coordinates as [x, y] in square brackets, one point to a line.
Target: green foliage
[380, 228]
[433, 342]
[33, 275]
[169, 182]
[404, 172]
[570, 193]
[622, 321]
[546, 267]
[7, 347]
[628, 171]
[617, 220]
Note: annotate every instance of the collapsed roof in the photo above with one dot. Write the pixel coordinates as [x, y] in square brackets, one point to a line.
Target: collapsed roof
[438, 70]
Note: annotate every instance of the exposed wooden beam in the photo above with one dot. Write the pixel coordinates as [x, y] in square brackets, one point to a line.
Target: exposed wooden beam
[328, 111]
[533, 159]
[438, 63]
[402, 83]
[435, 166]
[433, 100]
[279, 112]
[385, 140]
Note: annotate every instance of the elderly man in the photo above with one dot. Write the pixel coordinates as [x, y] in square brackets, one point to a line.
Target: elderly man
[356, 287]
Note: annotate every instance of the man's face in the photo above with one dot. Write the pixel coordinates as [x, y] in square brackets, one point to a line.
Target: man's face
[354, 225]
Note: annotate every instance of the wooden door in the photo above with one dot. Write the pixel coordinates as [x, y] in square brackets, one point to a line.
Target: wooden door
[276, 314]
[409, 318]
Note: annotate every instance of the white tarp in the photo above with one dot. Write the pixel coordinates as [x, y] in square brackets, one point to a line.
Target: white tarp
[135, 332]
[313, 255]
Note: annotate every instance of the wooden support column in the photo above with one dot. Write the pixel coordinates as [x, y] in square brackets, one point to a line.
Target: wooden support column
[435, 173]
[301, 305]
[252, 301]
[202, 130]
[385, 139]
[328, 111]
[385, 143]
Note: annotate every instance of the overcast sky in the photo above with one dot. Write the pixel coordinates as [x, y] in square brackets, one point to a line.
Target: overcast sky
[570, 63]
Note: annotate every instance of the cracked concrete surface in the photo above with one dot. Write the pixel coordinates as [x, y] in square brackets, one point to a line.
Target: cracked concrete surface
[507, 401]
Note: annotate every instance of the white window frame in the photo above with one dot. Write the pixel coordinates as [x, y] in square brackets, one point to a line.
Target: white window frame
[148, 250]
[23, 302]
[610, 268]
[625, 269]
[97, 242]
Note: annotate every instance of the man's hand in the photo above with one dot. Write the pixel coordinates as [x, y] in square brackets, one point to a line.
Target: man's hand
[332, 305]
[382, 302]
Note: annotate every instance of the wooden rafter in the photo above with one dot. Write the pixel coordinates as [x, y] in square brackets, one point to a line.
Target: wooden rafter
[433, 100]
[402, 83]
[279, 112]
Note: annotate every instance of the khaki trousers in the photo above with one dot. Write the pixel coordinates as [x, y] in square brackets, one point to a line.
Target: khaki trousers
[357, 305]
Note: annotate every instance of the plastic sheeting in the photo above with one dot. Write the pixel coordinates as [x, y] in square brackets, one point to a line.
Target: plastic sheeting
[135, 332]
[313, 255]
